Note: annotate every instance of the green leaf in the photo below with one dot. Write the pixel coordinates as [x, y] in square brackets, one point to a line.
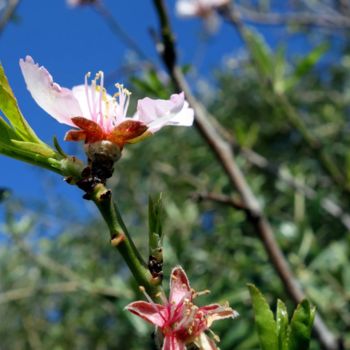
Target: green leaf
[261, 53]
[280, 64]
[154, 82]
[301, 326]
[282, 325]
[36, 148]
[306, 64]
[30, 157]
[9, 106]
[265, 322]
[6, 132]
[59, 148]
[151, 84]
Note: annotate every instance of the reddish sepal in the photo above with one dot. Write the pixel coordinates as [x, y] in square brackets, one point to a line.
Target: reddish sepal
[127, 130]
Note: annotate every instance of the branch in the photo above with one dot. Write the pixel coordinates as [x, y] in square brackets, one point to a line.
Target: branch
[219, 198]
[333, 21]
[223, 152]
[59, 288]
[328, 205]
[8, 13]
[28, 292]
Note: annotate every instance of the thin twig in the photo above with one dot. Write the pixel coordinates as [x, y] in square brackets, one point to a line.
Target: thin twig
[328, 204]
[8, 13]
[223, 152]
[220, 198]
[333, 21]
[58, 288]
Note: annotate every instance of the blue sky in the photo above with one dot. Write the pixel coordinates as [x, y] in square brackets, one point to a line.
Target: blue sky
[69, 43]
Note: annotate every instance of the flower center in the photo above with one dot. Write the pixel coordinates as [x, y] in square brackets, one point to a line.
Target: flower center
[105, 110]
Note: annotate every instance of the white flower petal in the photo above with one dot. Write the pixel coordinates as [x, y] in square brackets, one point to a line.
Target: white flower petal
[158, 113]
[57, 101]
[203, 8]
[186, 8]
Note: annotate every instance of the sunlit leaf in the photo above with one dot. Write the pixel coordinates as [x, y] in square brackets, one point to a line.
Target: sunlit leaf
[9, 106]
[306, 64]
[6, 132]
[261, 53]
[264, 320]
[282, 325]
[301, 326]
[35, 148]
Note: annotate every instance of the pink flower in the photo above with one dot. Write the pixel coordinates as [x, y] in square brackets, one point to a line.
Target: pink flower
[179, 319]
[98, 115]
[201, 8]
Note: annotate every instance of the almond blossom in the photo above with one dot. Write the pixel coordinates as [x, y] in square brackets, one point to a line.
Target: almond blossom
[97, 115]
[179, 320]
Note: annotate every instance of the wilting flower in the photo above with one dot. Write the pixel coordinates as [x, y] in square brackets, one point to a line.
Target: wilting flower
[201, 8]
[98, 115]
[181, 321]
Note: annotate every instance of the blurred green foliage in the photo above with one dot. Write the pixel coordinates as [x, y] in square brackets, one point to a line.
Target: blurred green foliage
[68, 292]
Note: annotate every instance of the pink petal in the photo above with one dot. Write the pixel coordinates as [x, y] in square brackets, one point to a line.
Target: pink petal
[171, 343]
[179, 286]
[79, 93]
[57, 101]
[215, 312]
[152, 313]
[158, 113]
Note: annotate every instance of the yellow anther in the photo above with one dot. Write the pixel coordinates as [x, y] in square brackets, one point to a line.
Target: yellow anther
[203, 292]
[98, 75]
[122, 90]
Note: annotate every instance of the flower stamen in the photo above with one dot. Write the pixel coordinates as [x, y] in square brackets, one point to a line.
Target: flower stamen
[143, 291]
